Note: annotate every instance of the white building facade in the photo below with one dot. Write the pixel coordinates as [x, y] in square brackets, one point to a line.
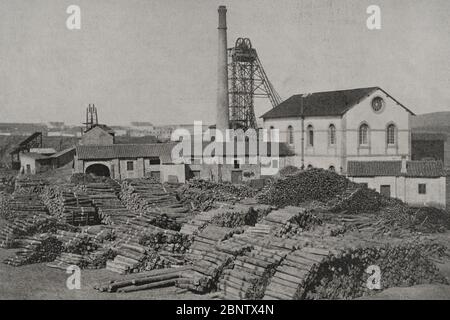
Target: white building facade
[362, 133]
[327, 129]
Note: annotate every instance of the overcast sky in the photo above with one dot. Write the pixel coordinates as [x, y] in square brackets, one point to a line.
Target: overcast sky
[155, 60]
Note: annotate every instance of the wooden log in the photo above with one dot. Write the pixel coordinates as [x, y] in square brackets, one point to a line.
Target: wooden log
[154, 285]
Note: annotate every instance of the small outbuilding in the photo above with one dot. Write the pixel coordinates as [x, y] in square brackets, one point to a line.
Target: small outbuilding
[418, 183]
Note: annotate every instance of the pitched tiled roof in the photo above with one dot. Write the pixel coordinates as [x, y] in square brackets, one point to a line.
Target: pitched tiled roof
[161, 150]
[330, 103]
[103, 127]
[126, 151]
[62, 152]
[429, 169]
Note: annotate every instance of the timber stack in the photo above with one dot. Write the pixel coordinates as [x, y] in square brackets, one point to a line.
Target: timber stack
[150, 200]
[29, 185]
[129, 259]
[5, 211]
[144, 281]
[39, 248]
[250, 274]
[317, 272]
[72, 207]
[228, 215]
[104, 197]
[207, 262]
[202, 195]
[27, 216]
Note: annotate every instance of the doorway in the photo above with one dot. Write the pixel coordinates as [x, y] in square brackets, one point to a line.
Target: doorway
[236, 176]
[100, 170]
[385, 190]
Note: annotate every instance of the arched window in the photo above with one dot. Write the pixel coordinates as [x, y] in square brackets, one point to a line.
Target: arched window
[390, 134]
[364, 134]
[310, 131]
[309, 167]
[332, 134]
[290, 135]
[332, 168]
[271, 133]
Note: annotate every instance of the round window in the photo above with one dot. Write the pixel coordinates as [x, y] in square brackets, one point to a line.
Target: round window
[377, 104]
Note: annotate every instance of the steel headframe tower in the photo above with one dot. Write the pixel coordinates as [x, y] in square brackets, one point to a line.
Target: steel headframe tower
[91, 117]
[247, 81]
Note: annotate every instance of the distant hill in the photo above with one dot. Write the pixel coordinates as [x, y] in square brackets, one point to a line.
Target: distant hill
[432, 122]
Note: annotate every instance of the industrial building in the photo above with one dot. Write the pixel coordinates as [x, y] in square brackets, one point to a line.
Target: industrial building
[364, 134]
[125, 161]
[36, 161]
[418, 183]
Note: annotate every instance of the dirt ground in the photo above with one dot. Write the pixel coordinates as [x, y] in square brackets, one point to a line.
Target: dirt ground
[38, 281]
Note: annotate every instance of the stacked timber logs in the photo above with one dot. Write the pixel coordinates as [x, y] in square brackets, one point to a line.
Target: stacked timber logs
[317, 272]
[286, 222]
[5, 211]
[359, 199]
[40, 248]
[151, 200]
[129, 259]
[203, 195]
[52, 196]
[77, 242]
[25, 225]
[207, 262]
[108, 187]
[199, 222]
[104, 197]
[29, 204]
[402, 264]
[98, 258]
[228, 215]
[215, 250]
[160, 239]
[66, 259]
[292, 273]
[164, 248]
[86, 249]
[26, 186]
[250, 274]
[93, 260]
[144, 281]
[72, 207]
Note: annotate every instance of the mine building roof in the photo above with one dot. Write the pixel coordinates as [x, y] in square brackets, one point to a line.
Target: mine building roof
[126, 151]
[424, 169]
[329, 103]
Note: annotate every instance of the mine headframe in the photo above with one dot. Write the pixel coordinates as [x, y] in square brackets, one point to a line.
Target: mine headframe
[91, 117]
[247, 81]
